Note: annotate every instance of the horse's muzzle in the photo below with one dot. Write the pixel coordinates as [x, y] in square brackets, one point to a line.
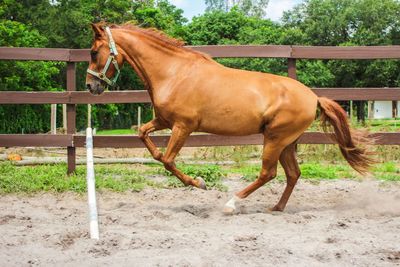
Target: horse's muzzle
[95, 89]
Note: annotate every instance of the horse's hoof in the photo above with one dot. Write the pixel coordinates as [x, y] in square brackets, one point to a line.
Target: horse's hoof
[201, 184]
[229, 210]
[275, 209]
[230, 207]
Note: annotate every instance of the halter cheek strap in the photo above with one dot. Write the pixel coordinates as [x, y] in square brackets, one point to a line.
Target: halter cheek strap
[111, 59]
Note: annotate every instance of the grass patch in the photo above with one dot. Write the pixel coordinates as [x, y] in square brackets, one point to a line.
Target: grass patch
[382, 125]
[326, 171]
[116, 132]
[248, 172]
[387, 171]
[32, 179]
[212, 175]
[128, 177]
[238, 154]
[372, 125]
[386, 167]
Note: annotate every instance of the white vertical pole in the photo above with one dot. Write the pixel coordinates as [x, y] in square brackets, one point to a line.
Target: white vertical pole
[91, 187]
[370, 109]
[64, 108]
[53, 118]
[351, 110]
[139, 117]
[89, 116]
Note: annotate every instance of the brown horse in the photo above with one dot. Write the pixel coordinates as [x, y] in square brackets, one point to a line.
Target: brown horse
[191, 92]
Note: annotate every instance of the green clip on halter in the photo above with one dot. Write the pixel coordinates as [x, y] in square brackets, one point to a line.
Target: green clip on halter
[111, 59]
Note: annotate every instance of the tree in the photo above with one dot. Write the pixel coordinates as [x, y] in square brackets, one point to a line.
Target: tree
[248, 7]
[18, 76]
[351, 22]
[216, 27]
[234, 27]
[66, 23]
[336, 22]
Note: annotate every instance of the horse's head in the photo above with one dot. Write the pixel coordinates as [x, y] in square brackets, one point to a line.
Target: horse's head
[105, 62]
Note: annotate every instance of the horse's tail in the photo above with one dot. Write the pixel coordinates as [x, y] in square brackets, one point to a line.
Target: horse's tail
[356, 155]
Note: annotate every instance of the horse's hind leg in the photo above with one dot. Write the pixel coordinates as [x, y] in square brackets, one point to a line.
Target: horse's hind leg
[289, 163]
[175, 143]
[271, 151]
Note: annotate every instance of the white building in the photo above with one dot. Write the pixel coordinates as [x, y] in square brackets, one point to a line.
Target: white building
[384, 109]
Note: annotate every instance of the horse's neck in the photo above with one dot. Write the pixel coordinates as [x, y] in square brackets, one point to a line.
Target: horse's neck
[157, 65]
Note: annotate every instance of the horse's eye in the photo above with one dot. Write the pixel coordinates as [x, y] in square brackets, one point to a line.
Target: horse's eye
[93, 54]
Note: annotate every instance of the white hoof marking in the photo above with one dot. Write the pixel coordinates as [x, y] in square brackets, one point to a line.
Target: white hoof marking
[230, 206]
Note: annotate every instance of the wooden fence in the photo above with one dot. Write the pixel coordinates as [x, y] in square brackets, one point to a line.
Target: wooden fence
[72, 97]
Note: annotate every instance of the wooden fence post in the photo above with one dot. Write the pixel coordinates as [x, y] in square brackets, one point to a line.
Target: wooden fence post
[292, 68]
[71, 115]
[292, 73]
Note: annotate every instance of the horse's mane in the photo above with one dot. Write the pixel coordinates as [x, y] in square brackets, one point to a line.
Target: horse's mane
[155, 34]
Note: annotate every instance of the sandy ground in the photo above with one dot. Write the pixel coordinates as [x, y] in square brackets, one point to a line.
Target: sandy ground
[334, 223]
[186, 152]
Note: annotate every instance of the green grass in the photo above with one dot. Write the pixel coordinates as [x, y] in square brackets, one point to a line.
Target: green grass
[387, 171]
[116, 132]
[124, 177]
[382, 125]
[372, 125]
[322, 171]
[212, 175]
[248, 172]
[326, 171]
[32, 179]
[118, 178]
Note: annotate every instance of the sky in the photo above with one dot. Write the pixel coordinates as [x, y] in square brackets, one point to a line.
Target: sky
[275, 8]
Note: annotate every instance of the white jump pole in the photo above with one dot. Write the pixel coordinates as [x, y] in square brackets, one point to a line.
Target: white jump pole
[94, 223]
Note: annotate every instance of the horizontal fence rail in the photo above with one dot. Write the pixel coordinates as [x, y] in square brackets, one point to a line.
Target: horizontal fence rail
[195, 140]
[138, 96]
[71, 97]
[222, 51]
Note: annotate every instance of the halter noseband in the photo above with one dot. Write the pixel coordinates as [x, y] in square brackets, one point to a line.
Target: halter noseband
[111, 59]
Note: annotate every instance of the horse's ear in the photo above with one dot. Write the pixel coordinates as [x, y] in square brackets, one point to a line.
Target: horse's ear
[98, 31]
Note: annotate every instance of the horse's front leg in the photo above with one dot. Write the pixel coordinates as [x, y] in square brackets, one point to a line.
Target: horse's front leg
[175, 143]
[145, 130]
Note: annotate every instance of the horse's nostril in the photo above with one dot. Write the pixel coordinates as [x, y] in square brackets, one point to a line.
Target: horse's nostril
[88, 86]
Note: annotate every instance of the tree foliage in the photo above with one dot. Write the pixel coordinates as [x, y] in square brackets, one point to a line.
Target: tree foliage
[351, 22]
[18, 76]
[254, 8]
[66, 23]
[337, 22]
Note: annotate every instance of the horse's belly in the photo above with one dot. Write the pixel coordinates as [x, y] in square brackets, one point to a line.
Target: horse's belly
[232, 124]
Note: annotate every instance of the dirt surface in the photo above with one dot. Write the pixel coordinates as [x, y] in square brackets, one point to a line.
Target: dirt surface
[334, 223]
[186, 152]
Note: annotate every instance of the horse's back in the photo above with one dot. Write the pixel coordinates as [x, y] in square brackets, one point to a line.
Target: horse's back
[238, 102]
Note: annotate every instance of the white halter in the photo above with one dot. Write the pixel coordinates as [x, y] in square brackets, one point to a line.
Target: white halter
[111, 59]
